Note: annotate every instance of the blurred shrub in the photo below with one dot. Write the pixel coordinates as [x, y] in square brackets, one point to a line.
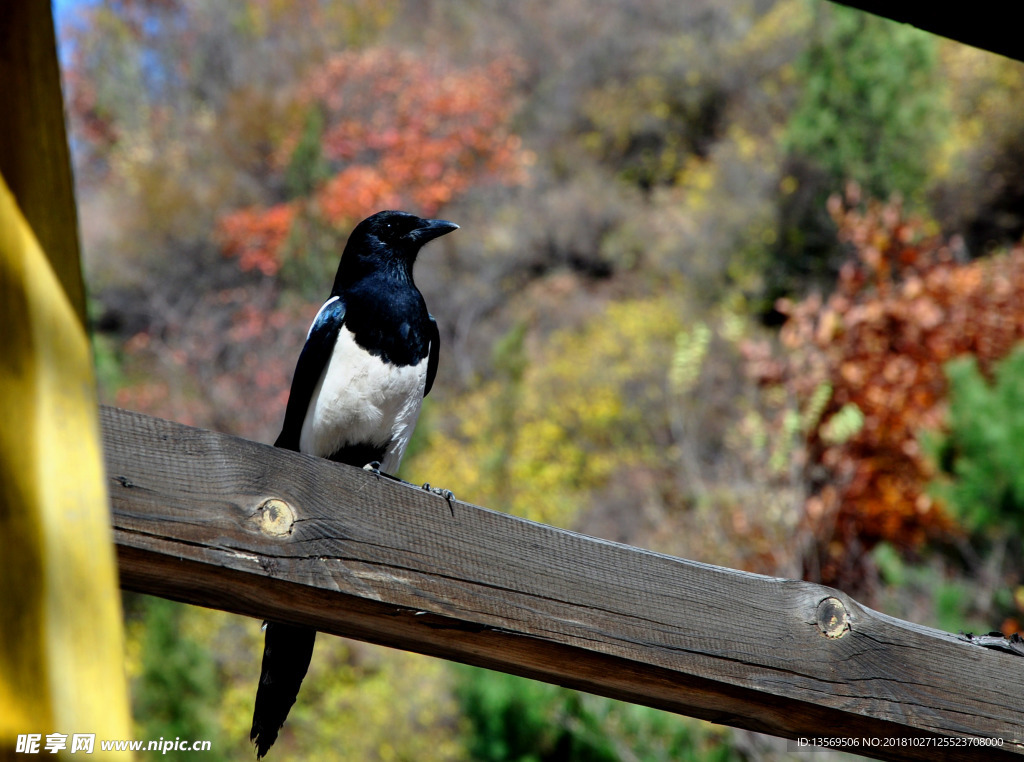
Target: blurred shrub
[362, 702]
[380, 128]
[903, 306]
[561, 418]
[512, 719]
[648, 128]
[930, 591]
[175, 683]
[980, 188]
[871, 110]
[981, 457]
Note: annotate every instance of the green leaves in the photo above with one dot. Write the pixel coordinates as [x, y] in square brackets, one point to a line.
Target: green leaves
[512, 719]
[870, 106]
[982, 456]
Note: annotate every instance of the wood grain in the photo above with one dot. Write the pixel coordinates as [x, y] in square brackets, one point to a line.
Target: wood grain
[222, 522]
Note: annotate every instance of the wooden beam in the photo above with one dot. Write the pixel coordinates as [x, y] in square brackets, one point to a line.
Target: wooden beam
[222, 522]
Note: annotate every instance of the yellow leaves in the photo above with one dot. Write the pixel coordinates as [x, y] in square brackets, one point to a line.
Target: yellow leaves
[691, 347]
[582, 409]
[356, 695]
[786, 20]
[746, 144]
[697, 177]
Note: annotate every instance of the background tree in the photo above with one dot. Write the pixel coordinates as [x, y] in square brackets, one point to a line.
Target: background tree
[870, 111]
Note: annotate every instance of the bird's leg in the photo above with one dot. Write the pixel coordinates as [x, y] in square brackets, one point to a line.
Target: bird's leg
[374, 468]
[447, 494]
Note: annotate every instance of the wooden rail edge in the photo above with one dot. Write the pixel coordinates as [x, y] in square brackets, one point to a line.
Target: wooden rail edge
[226, 523]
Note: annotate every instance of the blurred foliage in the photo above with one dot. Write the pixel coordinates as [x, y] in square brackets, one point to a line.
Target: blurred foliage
[175, 685]
[871, 110]
[636, 184]
[512, 719]
[357, 694]
[901, 309]
[978, 478]
[927, 591]
[361, 702]
[562, 419]
[980, 193]
[650, 127]
[382, 129]
[981, 453]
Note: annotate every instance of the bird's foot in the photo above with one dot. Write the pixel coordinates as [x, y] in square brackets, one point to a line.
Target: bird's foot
[374, 468]
[447, 494]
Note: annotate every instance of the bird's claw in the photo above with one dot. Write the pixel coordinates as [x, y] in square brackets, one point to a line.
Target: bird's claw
[373, 467]
[447, 494]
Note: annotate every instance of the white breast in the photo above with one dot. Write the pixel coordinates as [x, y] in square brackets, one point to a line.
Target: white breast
[360, 399]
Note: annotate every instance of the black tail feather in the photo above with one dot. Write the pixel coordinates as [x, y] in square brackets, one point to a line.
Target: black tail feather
[286, 654]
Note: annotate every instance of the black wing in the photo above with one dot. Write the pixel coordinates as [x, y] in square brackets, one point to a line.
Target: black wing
[313, 359]
[435, 349]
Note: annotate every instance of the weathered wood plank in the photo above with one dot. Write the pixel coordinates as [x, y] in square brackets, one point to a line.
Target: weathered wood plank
[231, 524]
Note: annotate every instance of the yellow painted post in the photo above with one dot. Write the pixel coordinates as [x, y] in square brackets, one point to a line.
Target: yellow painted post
[61, 639]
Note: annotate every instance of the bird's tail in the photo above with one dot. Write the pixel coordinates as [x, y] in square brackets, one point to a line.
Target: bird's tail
[286, 654]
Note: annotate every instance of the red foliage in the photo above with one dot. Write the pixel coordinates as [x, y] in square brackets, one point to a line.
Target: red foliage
[354, 192]
[399, 131]
[256, 235]
[901, 309]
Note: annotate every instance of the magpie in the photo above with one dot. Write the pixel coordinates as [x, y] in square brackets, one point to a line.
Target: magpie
[369, 360]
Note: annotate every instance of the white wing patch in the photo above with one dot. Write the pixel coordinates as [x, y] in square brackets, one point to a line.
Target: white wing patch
[361, 399]
[319, 312]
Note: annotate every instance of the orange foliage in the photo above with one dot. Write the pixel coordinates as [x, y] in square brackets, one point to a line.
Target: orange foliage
[901, 309]
[355, 192]
[398, 131]
[256, 235]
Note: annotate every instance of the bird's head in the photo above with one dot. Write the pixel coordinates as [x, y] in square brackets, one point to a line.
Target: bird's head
[388, 240]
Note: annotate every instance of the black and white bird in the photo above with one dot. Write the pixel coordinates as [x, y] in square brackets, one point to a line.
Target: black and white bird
[369, 360]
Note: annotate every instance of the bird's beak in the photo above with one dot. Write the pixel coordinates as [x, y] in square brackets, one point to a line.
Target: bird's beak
[431, 229]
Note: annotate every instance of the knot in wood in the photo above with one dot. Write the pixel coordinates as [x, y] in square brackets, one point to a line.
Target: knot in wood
[832, 617]
[275, 517]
